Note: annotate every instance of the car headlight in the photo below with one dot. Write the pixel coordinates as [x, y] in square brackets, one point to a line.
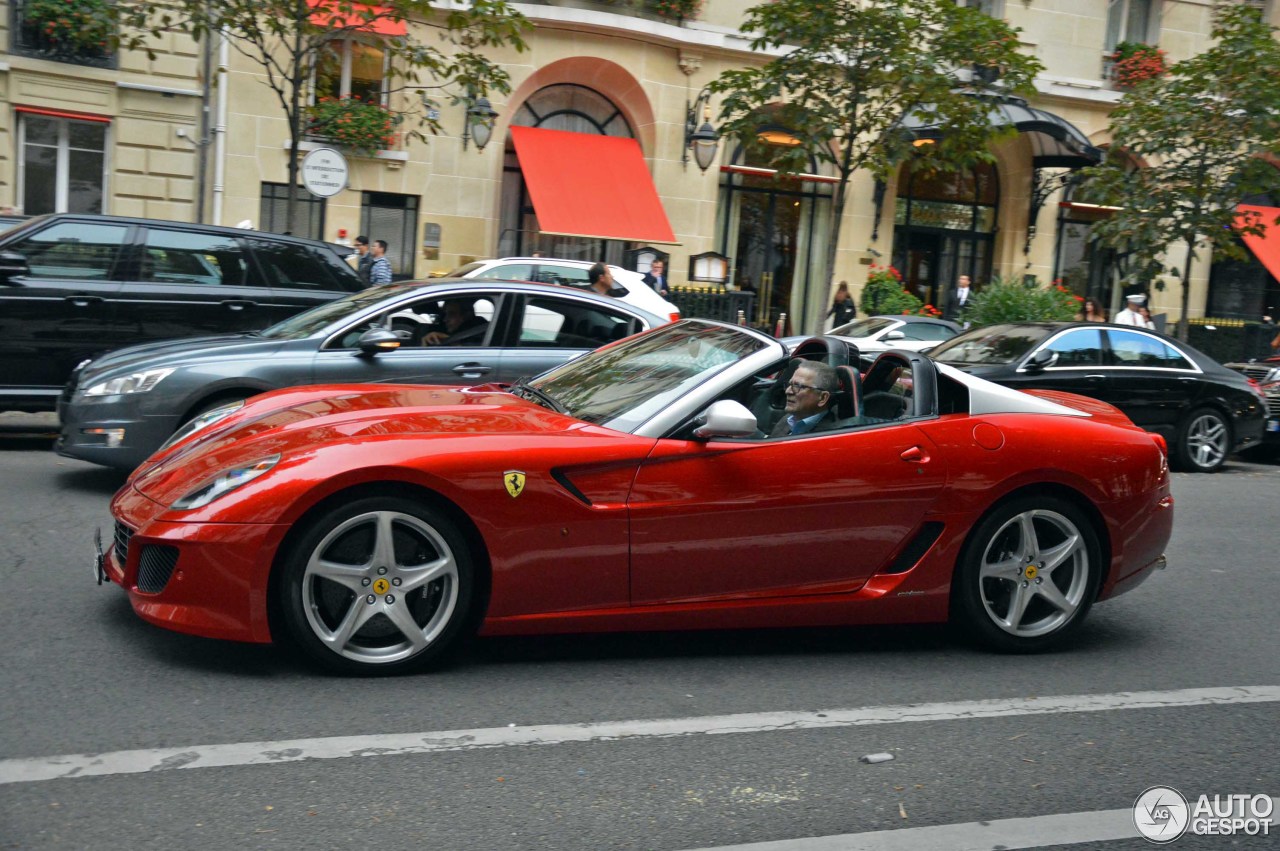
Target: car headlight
[136, 382]
[202, 422]
[224, 483]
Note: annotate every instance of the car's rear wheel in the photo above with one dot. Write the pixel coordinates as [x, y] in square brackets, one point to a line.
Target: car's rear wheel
[379, 586]
[1028, 574]
[1203, 442]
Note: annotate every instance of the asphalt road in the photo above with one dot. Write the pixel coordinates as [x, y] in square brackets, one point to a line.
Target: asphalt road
[80, 674]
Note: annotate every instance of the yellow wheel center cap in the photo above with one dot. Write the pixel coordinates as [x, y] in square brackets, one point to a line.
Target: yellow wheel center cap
[1031, 572]
[380, 586]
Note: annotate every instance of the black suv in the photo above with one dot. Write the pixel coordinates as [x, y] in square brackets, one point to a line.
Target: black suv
[74, 285]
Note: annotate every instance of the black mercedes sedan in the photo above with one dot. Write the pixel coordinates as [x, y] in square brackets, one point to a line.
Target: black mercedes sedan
[119, 408]
[1204, 410]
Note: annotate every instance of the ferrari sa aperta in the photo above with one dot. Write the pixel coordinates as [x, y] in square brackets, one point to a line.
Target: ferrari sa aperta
[635, 488]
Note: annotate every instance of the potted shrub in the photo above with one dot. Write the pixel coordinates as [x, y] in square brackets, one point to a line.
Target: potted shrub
[1012, 299]
[1134, 62]
[360, 125]
[71, 26]
[677, 10]
[883, 294]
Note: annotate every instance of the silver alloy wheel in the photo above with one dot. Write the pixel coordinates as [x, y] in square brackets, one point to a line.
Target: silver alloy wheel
[1207, 437]
[1034, 573]
[380, 587]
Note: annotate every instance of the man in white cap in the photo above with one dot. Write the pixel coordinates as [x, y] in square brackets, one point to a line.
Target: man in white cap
[1131, 315]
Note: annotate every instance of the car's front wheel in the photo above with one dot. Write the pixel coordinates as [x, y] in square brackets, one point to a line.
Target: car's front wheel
[1203, 442]
[382, 585]
[1028, 574]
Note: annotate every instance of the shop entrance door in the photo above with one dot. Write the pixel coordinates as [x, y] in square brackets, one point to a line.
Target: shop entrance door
[765, 259]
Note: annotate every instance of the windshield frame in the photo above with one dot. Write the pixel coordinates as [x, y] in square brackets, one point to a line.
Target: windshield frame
[673, 399]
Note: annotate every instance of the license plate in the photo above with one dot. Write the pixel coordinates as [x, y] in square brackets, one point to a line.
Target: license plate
[1273, 425]
[99, 572]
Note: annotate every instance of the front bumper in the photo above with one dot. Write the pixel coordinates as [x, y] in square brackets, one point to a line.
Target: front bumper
[207, 579]
[110, 433]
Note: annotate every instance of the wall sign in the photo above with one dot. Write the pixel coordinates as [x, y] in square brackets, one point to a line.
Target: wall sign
[325, 172]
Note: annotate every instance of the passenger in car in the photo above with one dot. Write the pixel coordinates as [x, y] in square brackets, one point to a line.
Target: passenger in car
[461, 326]
[810, 393]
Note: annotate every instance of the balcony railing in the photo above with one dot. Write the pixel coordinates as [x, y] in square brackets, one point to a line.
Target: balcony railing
[27, 39]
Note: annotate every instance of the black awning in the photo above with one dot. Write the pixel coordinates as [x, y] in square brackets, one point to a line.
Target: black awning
[1055, 142]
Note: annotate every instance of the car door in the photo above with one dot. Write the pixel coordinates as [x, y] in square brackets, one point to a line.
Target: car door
[545, 331]
[469, 358]
[1077, 366]
[298, 276]
[1155, 385]
[62, 311]
[185, 282]
[813, 514]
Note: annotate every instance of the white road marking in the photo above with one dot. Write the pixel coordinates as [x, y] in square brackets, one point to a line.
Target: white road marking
[1034, 832]
[36, 769]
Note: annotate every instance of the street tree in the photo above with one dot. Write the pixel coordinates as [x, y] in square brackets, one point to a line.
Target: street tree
[1187, 148]
[294, 43]
[846, 73]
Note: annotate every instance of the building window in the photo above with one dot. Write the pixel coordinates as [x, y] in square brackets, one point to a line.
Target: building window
[1130, 20]
[274, 211]
[46, 30]
[990, 8]
[351, 68]
[61, 164]
[394, 218]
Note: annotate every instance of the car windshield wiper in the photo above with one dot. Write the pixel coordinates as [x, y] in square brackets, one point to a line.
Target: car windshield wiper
[523, 389]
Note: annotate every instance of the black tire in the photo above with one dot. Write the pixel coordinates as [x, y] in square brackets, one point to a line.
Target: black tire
[1203, 441]
[396, 577]
[1053, 577]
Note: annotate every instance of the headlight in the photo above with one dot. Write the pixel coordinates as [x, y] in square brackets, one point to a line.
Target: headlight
[137, 382]
[202, 422]
[224, 483]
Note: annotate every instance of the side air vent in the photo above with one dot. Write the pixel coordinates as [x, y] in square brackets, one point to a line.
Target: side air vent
[916, 547]
[123, 534]
[155, 567]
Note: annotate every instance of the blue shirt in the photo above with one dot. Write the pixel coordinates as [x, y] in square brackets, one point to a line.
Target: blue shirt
[380, 271]
[805, 425]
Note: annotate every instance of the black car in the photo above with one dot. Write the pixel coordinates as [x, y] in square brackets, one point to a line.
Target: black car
[74, 285]
[1204, 410]
[120, 408]
[1265, 373]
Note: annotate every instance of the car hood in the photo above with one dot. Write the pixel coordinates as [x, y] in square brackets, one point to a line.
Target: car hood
[169, 352]
[296, 421]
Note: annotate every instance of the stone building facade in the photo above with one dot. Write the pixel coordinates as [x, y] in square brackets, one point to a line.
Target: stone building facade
[124, 134]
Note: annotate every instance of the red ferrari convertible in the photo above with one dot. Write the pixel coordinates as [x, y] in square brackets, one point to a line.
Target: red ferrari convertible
[634, 488]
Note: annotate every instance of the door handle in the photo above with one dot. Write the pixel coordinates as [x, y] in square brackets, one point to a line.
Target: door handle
[915, 455]
[238, 304]
[471, 369]
[83, 300]
[1094, 378]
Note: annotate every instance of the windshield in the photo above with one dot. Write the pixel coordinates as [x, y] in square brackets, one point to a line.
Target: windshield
[322, 316]
[862, 327]
[623, 385]
[994, 344]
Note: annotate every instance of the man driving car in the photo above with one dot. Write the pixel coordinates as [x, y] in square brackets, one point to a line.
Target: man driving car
[810, 396]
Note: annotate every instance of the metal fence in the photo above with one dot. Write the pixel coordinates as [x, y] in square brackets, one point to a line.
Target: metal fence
[717, 303]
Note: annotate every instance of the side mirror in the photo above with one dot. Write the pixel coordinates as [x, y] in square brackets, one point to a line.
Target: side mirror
[895, 335]
[12, 265]
[377, 340]
[1040, 360]
[727, 418]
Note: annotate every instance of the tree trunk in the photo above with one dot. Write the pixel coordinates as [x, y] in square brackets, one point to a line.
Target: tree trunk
[1184, 327]
[295, 135]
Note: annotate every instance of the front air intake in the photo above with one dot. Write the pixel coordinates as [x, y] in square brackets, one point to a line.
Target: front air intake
[155, 567]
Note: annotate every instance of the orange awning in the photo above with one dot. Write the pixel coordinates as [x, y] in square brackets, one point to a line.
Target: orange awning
[593, 186]
[361, 18]
[1266, 247]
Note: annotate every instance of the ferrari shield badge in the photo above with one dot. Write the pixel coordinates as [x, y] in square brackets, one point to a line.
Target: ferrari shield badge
[514, 480]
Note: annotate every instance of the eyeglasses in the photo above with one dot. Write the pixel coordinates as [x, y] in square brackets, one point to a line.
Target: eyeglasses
[797, 387]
